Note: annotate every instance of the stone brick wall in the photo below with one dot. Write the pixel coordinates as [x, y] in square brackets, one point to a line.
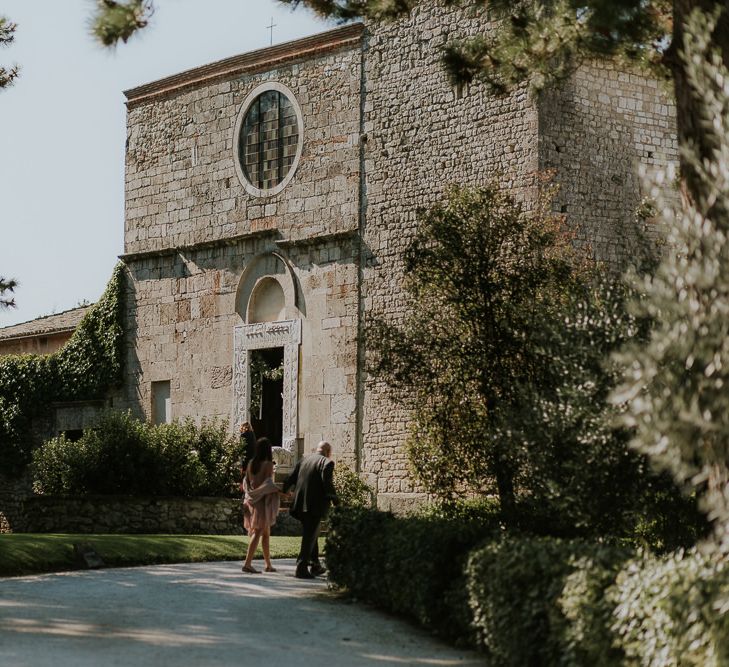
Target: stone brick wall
[181, 316]
[596, 132]
[192, 230]
[121, 514]
[328, 362]
[423, 135]
[181, 186]
[599, 132]
[385, 134]
[13, 493]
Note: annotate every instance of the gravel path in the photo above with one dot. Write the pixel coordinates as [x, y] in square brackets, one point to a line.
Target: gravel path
[201, 614]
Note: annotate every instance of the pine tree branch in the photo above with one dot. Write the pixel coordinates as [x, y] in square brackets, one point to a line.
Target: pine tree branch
[7, 285]
[116, 21]
[7, 31]
[347, 10]
[7, 36]
[543, 42]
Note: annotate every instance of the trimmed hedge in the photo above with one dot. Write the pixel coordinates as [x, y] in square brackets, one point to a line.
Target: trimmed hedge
[673, 610]
[538, 601]
[535, 601]
[412, 566]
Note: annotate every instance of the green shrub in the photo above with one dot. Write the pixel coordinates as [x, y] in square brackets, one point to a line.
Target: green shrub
[484, 509]
[126, 456]
[667, 610]
[116, 457]
[669, 520]
[219, 452]
[533, 601]
[200, 460]
[183, 472]
[408, 565]
[537, 601]
[57, 466]
[351, 490]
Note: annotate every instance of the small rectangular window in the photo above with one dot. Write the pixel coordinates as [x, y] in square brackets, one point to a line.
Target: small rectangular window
[161, 402]
[460, 90]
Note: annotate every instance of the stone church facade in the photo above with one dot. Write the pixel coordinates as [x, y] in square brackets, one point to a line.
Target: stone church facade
[269, 198]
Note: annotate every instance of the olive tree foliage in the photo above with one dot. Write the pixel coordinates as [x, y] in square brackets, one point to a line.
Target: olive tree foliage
[676, 385]
[500, 359]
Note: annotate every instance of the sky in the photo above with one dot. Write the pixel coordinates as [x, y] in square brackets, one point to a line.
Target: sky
[63, 130]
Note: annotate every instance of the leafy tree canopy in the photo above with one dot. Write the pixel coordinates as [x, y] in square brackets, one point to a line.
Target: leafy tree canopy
[501, 360]
[543, 41]
[537, 37]
[539, 40]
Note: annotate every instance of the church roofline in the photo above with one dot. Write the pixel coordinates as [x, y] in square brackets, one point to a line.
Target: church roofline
[262, 59]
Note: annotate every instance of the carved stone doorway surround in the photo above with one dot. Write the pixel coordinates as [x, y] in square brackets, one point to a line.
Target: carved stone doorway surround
[285, 334]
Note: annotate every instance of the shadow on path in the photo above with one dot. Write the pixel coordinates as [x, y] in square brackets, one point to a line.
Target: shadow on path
[201, 614]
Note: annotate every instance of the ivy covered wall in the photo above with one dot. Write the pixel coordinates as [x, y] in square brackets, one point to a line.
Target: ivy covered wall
[86, 368]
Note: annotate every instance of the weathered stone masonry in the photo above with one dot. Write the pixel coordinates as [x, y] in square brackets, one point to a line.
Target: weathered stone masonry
[384, 134]
[599, 131]
[195, 240]
[125, 514]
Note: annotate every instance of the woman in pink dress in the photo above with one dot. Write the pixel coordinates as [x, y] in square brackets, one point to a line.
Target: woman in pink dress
[260, 506]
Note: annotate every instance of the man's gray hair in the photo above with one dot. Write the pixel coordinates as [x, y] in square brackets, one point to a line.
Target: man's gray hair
[324, 448]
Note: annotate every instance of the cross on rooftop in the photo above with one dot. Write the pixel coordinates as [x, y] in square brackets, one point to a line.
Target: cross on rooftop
[271, 27]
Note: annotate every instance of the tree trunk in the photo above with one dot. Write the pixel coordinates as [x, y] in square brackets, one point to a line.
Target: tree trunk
[505, 486]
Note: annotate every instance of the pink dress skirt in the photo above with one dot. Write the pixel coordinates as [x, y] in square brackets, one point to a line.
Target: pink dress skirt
[260, 506]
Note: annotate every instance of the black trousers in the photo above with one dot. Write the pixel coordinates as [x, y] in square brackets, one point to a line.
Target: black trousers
[309, 551]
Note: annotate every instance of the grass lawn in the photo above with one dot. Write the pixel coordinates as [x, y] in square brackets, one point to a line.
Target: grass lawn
[24, 553]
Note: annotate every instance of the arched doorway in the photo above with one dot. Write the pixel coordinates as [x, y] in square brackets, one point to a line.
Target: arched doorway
[266, 353]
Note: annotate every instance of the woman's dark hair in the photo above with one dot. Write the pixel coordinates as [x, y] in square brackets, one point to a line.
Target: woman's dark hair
[263, 453]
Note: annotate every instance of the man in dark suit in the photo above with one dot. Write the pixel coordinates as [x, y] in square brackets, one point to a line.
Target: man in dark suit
[312, 479]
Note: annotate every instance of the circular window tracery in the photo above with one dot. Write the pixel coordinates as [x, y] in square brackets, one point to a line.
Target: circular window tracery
[268, 139]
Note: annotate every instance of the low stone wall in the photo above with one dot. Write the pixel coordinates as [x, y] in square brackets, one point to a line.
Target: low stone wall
[13, 493]
[122, 514]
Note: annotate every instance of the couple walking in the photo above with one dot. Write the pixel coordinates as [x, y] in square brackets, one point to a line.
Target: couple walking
[312, 481]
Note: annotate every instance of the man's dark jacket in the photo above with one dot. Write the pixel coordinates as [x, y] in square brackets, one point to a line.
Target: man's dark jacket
[314, 488]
